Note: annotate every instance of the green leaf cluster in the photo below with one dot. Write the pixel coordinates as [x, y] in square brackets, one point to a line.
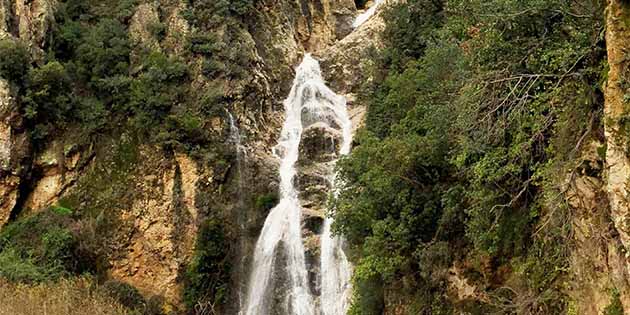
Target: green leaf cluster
[474, 110]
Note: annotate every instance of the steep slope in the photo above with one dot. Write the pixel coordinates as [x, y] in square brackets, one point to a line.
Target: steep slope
[145, 200]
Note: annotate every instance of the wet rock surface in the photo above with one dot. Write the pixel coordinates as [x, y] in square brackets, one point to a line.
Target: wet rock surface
[320, 143]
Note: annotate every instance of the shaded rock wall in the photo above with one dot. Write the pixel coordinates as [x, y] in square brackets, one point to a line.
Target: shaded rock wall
[29, 22]
[169, 193]
[598, 261]
[616, 113]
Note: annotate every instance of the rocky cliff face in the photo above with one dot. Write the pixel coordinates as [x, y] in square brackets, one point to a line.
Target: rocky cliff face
[614, 250]
[598, 261]
[27, 21]
[617, 33]
[160, 197]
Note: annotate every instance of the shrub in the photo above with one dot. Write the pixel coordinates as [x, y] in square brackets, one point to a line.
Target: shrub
[14, 60]
[157, 30]
[267, 201]
[472, 114]
[16, 268]
[615, 307]
[156, 90]
[39, 248]
[207, 277]
[104, 51]
[367, 297]
[47, 102]
[61, 210]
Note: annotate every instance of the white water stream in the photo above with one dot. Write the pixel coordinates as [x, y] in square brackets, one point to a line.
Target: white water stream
[367, 14]
[310, 101]
[235, 139]
[310, 97]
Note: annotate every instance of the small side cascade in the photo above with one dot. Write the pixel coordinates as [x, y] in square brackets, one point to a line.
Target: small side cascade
[235, 139]
[363, 17]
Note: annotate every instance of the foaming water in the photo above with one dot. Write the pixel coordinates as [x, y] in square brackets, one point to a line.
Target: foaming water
[310, 97]
[367, 14]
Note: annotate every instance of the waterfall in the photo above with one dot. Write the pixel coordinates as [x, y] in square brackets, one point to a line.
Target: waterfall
[309, 102]
[235, 139]
[335, 268]
[367, 14]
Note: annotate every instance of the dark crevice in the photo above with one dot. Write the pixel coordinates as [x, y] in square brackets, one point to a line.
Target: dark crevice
[25, 188]
[360, 4]
[13, 23]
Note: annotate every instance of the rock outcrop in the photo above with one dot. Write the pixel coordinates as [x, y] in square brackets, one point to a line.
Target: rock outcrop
[9, 169]
[154, 234]
[34, 19]
[5, 18]
[159, 228]
[29, 22]
[616, 115]
[598, 261]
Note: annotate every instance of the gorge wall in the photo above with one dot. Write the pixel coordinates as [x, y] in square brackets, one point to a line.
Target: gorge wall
[154, 200]
[148, 210]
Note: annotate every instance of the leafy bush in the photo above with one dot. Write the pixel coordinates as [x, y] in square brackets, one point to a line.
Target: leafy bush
[267, 201]
[207, 277]
[61, 210]
[104, 52]
[14, 60]
[40, 248]
[47, 103]
[367, 296]
[157, 90]
[17, 268]
[615, 307]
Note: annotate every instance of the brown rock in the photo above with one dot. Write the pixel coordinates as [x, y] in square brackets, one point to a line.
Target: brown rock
[320, 143]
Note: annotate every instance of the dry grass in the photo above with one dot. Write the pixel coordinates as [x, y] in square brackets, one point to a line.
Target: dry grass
[67, 297]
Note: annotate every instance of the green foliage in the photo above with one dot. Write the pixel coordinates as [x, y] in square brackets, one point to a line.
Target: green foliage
[103, 53]
[47, 103]
[14, 267]
[38, 248]
[14, 60]
[367, 296]
[266, 202]
[158, 30]
[157, 89]
[207, 13]
[409, 29]
[205, 43]
[615, 307]
[208, 275]
[473, 113]
[89, 85]
[61, 210]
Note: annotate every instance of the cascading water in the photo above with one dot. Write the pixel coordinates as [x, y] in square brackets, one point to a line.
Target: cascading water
[235, 139]
[367, 14]
[310, 102]
[335, 268]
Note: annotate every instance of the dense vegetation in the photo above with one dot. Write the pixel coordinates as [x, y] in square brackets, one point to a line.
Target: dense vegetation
[99, 90]
[477, 113]
[477, 110]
